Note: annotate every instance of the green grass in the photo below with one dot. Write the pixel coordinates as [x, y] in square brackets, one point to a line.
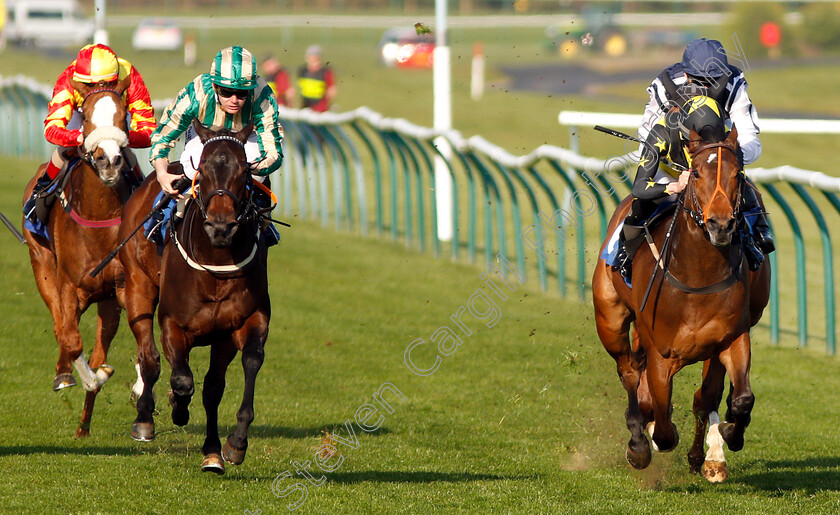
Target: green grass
[526, 416]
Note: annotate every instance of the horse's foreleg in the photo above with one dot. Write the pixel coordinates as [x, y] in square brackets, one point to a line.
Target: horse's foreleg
[107, 324]
[251, 339]
[141, 298]
[612, 320]
[46, 277]
[706, 402]
[177, 352]
[736, 359]
[660, 382]
[221, 354]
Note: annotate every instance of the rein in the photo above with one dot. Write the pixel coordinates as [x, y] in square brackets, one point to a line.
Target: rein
[700, 218]
[216, 269]
[245, 210]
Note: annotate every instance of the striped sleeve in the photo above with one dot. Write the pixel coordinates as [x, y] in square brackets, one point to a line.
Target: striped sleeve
[140, 108]
[59, 112]
[268, 128]
[176, 118]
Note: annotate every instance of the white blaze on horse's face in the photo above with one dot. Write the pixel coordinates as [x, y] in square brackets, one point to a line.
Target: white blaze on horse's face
[107, 137]
[103, 116]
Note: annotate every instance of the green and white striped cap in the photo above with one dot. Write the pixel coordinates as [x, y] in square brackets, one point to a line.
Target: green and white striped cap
[234, 67]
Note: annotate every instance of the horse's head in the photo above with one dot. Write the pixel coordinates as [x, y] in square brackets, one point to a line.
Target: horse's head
[223, 195]
[105, 128]
[715, 188]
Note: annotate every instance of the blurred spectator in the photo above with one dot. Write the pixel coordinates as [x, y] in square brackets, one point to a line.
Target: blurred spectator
[316, 82]
[278, 78]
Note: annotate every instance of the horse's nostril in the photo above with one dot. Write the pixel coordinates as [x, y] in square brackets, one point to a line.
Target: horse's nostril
[730, 225]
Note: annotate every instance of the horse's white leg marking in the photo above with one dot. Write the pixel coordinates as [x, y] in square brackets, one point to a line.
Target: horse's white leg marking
[87, 375]
[649, 428]
[714, 440]
[137, 389]
[92, 380]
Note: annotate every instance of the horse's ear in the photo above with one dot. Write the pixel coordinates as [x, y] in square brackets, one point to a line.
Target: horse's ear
[245, 132]
[124, 84]
[732, 138]
[81, 87]
[694, 141]
[201, 131]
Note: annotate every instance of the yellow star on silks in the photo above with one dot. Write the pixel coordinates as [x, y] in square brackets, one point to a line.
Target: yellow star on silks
[660, 144]
[650, 183]
[643, 161]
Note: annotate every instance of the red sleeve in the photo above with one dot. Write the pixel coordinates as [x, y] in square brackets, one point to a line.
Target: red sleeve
[328, 77]
[142, 113]
[60, 110]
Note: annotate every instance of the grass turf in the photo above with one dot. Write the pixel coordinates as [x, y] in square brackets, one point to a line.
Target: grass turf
[526, 416]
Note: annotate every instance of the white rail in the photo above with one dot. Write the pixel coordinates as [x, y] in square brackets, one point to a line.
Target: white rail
[632, 121]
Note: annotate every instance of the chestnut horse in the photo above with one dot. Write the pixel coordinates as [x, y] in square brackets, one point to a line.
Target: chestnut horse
[702, 304]
[212, 286]
[82, 229]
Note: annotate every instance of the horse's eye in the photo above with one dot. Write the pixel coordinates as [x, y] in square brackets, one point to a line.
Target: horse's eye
[695, 174]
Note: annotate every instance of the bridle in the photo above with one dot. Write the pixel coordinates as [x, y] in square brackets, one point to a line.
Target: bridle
[242, 209]
[88, 156]
[245, 210]
[700, 214]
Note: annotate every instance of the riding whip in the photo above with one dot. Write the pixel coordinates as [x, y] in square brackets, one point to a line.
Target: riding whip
[161, 203]
[619, 134]
[12, 228]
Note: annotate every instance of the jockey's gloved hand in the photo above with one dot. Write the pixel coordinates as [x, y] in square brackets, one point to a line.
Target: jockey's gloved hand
[740, 155]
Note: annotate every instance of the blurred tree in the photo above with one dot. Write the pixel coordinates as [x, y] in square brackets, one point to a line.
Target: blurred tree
[747, 20]
[821, 25]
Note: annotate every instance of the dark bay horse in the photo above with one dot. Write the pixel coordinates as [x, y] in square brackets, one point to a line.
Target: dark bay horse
[212, 287]
[82, 229]
[701, 308]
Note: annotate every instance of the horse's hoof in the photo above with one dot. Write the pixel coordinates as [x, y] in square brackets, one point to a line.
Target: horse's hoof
[82, 432]
[231, 454]
[638, 460]
[213, 463]
[734, 439]
[180, 415]
[695, 462]
[715, 471]
[143, 431]
[63, 381]
[104, 373]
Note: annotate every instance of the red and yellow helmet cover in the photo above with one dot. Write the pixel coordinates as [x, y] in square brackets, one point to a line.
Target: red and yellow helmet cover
[96, 63]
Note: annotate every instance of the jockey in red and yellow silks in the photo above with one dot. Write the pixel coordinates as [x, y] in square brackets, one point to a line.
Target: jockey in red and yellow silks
[94, 64]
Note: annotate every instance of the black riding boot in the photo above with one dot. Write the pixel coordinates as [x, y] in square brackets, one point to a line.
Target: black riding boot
[757, 220]
[29, 206]
[631, 237]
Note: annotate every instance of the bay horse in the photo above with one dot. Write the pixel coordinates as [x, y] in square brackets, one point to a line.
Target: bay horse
[703, 301]
[82, 229]
[212, 288]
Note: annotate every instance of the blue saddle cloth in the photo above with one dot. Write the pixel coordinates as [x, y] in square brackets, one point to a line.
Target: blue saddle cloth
[31, 222]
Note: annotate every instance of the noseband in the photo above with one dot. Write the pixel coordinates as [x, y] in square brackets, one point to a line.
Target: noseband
[243, 210]
[701, 217]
